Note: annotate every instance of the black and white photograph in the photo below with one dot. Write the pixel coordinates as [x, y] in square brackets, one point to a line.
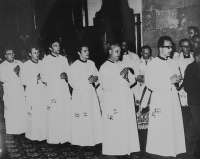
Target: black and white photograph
[99, 79]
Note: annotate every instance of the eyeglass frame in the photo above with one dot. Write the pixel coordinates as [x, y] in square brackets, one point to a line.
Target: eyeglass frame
[169, 47]
[10, 54]
[184, 46]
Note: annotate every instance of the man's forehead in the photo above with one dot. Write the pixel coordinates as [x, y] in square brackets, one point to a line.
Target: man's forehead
[191, 30]
[7, 51]
[185, 42]
[166, 42]
[196, 39]
[34, 49]
[55, 43]
[145, 50]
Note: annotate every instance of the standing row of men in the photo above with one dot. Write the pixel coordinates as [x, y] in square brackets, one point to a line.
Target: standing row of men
[95, 113]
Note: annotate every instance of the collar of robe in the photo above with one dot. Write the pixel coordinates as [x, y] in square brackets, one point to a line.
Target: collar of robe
[53, 55]
[34, 61]
[125, 53]
[111, 61]
[186, 56]
[82, 60]
[162, 58]
[10, 61]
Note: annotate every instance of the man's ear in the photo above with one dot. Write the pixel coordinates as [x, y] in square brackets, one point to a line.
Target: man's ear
[160, 49]
[79, 53]
[29, 54]
[50, 48]
[110, 51]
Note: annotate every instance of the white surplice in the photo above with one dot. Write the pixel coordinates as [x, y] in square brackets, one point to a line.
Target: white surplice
[120, 134]
[86, 113]
[35, 101]
[132, 60]
[165, 132]
[14, 100]
[183, 63]
[58, 99]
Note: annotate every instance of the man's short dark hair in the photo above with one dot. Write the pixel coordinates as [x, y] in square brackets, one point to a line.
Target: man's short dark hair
[185, 39]
[147, 47]
[162, 39]
[80, 46]
[8, 48]
[34, 46]
[195, 28]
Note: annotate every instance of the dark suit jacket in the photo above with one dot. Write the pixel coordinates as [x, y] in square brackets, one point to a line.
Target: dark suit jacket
[191, 84]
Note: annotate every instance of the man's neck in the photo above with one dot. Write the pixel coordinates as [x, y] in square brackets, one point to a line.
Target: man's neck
[10, 61]
[55, 54]
[34, 60]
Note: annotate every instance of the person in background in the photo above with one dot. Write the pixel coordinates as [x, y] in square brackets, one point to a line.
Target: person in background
[55, 69]
[120, 134]
[192, 30]
[165, 131]
[86, 113]
[23, 55]
[191, 84]
[143, 98]
[184, 58]
[14, 100]
[35, 97]
[131, 60]
[196, 42]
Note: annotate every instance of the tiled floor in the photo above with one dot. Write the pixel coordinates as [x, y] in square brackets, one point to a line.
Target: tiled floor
[19, 147]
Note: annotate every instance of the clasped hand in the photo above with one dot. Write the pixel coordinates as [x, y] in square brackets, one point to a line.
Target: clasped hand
[17, 70]
[175, 79]
[92, 79]
[63, 76]
[124, 72]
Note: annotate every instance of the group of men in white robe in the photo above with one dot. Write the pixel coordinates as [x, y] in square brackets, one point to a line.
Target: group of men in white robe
[101, 108]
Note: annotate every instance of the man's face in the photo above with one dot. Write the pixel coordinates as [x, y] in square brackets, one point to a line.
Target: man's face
[84, 54]
[166, 49]
[124, 46]
[185, 47]
[34, 54]
[115, 53]
[10, 55]
[196, 43]
[190, 33]
[198, 59]
[55, 48]
[105, 47]
[145, 53]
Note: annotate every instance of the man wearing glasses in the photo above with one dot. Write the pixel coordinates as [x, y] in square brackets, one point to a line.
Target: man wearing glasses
[14, 100]
[165, 132]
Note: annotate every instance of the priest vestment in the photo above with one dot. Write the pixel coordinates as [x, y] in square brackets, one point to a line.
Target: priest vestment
[120, 134]
[58, 99]
[86, 114]
[35, 101]
[14, 100]
[165, 132]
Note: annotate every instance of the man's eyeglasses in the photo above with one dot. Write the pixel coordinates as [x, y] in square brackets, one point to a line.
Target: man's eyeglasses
[10, 54]
[184, 46]
[169, 47]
